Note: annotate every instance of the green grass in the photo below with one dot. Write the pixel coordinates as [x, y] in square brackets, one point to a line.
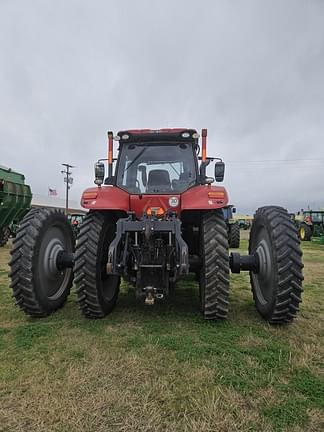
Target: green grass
[163, 368]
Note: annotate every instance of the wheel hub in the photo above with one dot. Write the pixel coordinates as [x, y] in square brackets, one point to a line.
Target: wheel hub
[52, 251]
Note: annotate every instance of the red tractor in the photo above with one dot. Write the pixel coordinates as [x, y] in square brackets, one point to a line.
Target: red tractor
[154, 219]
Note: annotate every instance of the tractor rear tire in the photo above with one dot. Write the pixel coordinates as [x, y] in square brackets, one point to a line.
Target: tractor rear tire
[97, 292]
[305, 232]
[39, 287]
[234, 235]
[277, 287]
[4, 236]
[214, 274]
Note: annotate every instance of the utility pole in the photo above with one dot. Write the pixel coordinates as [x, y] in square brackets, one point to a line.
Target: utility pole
[68, 180]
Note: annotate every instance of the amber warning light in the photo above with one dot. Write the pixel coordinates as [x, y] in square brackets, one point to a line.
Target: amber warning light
[89, 195]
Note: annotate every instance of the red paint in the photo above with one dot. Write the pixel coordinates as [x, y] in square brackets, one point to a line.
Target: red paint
[139, 203]
[113, 198]
[108, 198]
[197, 198]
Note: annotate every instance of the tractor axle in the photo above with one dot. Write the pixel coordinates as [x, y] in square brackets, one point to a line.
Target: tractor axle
[64, 260]
[240, 262]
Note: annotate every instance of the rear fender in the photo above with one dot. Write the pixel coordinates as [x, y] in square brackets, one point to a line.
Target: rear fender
[105, 198]
[204, 197]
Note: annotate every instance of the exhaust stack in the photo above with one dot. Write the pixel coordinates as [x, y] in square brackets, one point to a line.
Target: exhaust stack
[204, 145]
[110, 153]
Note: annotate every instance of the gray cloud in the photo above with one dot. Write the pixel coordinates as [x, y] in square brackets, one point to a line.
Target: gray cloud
[250, 71]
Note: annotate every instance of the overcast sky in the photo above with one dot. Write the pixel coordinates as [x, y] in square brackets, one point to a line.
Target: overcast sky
[252, 72]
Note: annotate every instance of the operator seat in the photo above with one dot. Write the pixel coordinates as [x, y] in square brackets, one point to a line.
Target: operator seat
[158, 181]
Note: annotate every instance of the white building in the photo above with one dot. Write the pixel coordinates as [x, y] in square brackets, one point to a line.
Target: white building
[55, 202]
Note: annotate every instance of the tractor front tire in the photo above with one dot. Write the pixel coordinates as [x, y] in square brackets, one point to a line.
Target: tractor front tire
[277, 287]
[305, 232]
[39, 287]
[234, 235]
[4, 236]
[97, 291]
[214, 274]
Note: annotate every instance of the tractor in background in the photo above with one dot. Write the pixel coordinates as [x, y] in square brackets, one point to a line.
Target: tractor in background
[233, 227]
[152, 220]
[311, 224]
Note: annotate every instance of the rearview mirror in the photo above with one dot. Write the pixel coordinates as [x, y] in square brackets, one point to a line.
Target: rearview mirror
[219, 171]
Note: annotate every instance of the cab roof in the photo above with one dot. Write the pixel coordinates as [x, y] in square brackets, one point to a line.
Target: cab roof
[166, 134]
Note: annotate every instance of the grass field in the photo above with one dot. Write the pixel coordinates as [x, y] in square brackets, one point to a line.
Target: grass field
[163, 368]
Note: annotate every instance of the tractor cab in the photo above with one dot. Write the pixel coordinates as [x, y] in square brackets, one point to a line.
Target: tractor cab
[163, 161]
[153, 164]
[157, 169]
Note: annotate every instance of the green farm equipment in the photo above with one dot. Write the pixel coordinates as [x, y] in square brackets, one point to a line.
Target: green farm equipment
[233, 227]
[15, 201]
[311, 225]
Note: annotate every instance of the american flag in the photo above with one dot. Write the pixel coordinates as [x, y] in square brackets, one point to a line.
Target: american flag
[52, 192]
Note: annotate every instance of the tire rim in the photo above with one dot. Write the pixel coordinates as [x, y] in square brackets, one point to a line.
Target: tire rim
[263, 279]
[109, 284]
[302, 233]
[53, 282]
[50, 257]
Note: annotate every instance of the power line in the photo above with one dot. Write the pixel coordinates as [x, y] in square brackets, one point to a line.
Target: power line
[275, 160]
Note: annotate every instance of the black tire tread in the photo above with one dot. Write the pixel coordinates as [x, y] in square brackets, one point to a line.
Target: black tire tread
[85, 266]
[234, 235]
[288, 256]
[21, 267]
[308, 232]
[214, 276]
[4, 236]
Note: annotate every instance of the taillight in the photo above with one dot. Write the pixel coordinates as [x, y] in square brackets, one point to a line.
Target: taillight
[216, 194]
[89, 195]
